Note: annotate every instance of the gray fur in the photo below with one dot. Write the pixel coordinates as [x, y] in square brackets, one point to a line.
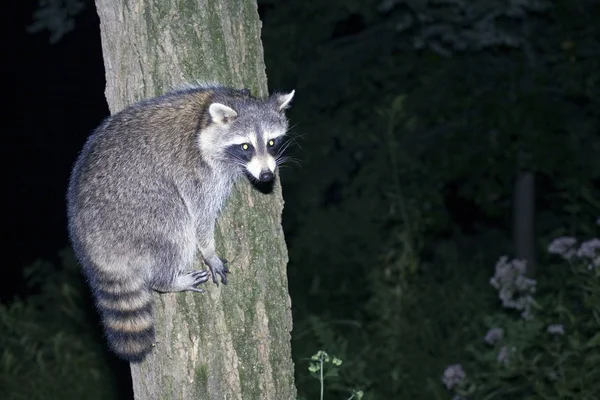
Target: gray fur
[145, 193]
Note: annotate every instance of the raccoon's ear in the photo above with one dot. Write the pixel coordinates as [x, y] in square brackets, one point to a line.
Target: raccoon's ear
[221, 114]
[283, 100]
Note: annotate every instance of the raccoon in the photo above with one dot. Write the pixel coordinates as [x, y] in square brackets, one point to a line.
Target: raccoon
[145, 192]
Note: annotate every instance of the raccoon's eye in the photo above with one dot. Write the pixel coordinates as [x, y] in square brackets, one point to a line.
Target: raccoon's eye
[245, 146]
[271, 143]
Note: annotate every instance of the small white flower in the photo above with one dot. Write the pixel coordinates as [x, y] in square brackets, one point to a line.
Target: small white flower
[556, 329]
[453, 375]
[524, 284]
[520, 266]
[494, 335]
[526, 314]
[503, 356]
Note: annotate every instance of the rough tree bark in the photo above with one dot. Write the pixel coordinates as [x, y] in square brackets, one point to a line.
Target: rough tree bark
[231, 342]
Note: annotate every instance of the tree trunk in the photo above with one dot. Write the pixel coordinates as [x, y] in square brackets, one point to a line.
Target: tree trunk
[524, 219]
[524, 186]
[231, 342]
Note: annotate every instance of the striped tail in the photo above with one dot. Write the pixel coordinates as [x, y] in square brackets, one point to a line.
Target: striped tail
[126, 311]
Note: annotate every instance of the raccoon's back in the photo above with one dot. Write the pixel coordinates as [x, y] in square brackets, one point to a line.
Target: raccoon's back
[144, 148]
[142, 142]
[109, 180]
[125, 180]
[155, 136]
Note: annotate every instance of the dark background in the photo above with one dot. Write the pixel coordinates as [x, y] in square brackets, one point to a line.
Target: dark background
[414, 120]
[56, 99]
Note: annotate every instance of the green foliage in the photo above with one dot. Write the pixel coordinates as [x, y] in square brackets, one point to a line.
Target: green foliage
[412, 327]
[419, 324]
[334, 335]
[553, 354]
[323, 367]
[50, 347]
[57, 17]
[404, 197]
[386, 132]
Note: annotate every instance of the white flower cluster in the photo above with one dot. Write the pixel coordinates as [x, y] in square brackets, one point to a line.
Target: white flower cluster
[588, 251]
[564, 246]
[515, 290]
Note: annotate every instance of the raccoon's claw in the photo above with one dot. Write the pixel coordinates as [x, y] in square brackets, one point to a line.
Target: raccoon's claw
[220, 270]
[199, 277]
[189, 280]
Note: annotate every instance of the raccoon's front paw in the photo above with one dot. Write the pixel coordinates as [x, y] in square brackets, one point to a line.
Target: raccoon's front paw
[218, 267]
[188, 281]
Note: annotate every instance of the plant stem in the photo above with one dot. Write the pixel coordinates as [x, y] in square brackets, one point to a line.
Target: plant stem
[321, 360]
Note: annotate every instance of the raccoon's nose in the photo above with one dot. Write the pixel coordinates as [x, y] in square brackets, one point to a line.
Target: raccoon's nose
[265, 176]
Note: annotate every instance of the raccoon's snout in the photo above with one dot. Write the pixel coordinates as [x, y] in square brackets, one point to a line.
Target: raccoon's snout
[265, 176]
[262, 169]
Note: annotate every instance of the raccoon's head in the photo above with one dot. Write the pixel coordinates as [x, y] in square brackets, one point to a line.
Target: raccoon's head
[246, 134]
